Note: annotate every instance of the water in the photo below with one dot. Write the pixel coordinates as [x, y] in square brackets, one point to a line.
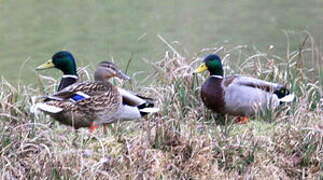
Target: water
[32, 30]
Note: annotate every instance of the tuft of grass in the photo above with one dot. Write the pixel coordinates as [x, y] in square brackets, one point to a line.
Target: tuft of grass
[184, 140]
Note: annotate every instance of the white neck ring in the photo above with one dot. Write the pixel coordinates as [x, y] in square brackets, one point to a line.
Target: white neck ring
[70, 76]
[217, 76]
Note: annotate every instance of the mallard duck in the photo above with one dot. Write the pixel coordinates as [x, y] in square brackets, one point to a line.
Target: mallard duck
[64, 61]
[92, 103]
[238, 95]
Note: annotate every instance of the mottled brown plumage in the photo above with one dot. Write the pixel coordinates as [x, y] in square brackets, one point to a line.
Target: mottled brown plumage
[96, 102]
[105, 100]
[88, 87]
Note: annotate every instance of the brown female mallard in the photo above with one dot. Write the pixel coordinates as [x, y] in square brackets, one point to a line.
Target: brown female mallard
[238, 95]
[92, 103]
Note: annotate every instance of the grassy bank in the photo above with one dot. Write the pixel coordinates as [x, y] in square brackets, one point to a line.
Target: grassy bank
[184, 140]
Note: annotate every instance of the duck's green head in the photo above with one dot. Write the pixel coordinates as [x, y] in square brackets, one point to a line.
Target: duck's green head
[213, 64]
[62, 60]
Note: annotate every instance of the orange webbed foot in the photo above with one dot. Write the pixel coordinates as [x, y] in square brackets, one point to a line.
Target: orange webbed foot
[242, 120]
[93, 127]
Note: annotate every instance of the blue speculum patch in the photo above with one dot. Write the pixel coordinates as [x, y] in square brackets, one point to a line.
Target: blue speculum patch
[77, 97]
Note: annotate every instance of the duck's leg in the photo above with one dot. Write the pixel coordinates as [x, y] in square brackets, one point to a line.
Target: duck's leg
[93, 127]
[105, 127]
[74, 141]
[242, 120]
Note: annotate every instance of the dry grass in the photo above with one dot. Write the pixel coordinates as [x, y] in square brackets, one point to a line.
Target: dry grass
[183, 141]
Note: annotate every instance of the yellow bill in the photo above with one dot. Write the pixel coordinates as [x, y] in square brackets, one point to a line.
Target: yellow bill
[46, 65]
[201, 68]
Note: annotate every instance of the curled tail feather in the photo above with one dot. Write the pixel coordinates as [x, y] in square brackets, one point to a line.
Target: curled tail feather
[147, 108]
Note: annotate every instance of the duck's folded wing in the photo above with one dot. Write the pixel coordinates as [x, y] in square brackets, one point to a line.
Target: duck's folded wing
[132, 99]
[83, 89]
[107, 103]
[257, 83]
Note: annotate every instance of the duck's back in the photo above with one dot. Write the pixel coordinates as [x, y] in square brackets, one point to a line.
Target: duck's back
[245, 96]
[245, 100]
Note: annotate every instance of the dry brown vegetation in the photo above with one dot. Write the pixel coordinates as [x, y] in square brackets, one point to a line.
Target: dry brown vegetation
[184, 140]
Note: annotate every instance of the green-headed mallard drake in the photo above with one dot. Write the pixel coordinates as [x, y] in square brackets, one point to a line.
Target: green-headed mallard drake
[64, 61]
[92, 103]
[238, 95]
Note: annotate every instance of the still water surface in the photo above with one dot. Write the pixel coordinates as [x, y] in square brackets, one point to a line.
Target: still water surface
[32, 30]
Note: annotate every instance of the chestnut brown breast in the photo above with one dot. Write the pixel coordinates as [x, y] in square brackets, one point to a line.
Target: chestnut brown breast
[212, 94]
